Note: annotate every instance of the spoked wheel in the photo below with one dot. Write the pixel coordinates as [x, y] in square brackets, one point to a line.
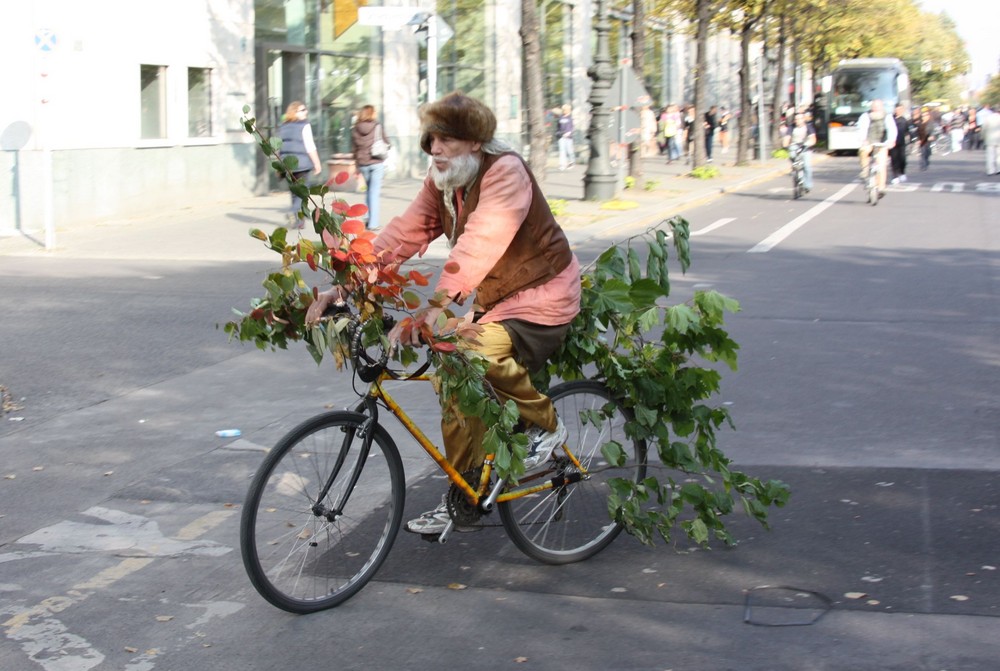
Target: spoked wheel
[872, 191]
[321, 514]
[571, 523]
[797, 188]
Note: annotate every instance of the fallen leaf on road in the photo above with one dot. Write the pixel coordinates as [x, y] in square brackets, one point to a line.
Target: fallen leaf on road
[38, 468]
[520, 660]
[129, 648]
[107, 473]
[855, 595]
[457, 585]
[164, 618]
[414, 590]
[10, 476]
[958, 597]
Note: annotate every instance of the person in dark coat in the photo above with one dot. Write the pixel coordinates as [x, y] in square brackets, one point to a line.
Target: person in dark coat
[897, 155]
[372, 168]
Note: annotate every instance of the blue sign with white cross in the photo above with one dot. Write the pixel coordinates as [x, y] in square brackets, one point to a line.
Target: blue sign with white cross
[45, 39]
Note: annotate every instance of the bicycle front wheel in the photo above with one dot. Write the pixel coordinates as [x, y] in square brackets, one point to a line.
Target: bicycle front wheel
[872, 190]
[571, 522]
[322, 513]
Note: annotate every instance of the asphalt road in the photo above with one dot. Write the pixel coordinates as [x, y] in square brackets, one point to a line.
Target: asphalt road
[868, 381]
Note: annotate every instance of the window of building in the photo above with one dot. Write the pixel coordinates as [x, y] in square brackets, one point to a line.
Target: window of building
[153, 101]
[199, 102]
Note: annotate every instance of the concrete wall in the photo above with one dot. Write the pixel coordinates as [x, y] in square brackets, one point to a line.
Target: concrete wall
[80, 103]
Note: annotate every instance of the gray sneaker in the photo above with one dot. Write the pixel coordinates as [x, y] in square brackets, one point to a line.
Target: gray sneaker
[541, 443]
[434, 522]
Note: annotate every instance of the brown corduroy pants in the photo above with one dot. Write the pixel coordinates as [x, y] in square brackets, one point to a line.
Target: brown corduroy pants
[463, 436]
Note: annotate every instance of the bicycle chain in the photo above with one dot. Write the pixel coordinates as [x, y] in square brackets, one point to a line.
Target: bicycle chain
[464, 513]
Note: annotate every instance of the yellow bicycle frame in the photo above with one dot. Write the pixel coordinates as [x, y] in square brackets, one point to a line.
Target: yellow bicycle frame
[475, 496]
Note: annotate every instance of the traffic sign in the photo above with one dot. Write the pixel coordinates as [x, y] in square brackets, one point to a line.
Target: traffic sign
[45, 39]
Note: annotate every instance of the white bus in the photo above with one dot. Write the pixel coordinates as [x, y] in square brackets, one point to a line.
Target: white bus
[851, 88]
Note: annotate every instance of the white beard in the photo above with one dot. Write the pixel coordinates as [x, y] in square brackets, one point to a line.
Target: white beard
[460, 172]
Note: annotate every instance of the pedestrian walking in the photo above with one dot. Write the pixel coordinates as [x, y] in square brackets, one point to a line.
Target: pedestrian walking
[991, 140]
[297, 141]
[671, 124]
[564, 138]
[897, 154]
[926, 134]
[711, 123]
[371, 148]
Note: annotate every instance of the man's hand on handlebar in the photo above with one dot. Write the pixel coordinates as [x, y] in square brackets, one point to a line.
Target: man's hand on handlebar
[335, 295]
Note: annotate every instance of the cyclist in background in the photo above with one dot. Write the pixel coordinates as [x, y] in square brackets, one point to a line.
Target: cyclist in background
[876, 127]
[802, 134]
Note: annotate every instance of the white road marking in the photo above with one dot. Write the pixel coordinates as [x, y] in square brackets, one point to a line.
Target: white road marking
[132, 534]
[46, 640]
[798, 222]
[956, 187]
[711, 227]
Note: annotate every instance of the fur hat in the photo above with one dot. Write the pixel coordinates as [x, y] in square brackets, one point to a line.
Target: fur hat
[458, 116]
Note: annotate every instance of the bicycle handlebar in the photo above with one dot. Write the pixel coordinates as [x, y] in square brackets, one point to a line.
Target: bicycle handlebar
[368, 368]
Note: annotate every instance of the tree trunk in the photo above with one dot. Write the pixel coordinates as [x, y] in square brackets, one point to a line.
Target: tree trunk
[745, 121]
[780, 90]
[638, 64]
[534, 98]
[704, 14]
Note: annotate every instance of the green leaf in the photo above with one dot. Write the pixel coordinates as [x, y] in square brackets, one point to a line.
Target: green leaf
[613, 297]
[644, 292]
[634, 270]
[681, 317]
[614, 453]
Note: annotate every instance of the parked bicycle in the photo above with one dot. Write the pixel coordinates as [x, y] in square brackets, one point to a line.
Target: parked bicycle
[325, 506]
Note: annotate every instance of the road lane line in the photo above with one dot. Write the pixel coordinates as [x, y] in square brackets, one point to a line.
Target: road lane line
[203, 524]
[798, 222]
[46, 641]
[711, 227]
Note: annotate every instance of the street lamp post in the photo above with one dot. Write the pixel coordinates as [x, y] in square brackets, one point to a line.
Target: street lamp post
[599, 182]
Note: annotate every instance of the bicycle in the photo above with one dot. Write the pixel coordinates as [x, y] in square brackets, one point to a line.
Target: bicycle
[795, 153]
[325, 506]
[876, 164]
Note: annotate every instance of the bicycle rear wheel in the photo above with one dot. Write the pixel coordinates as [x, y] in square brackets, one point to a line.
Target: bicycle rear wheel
[571, 523]
[321, 514]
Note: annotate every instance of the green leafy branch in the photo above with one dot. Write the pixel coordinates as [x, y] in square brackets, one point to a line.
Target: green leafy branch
[647, 352]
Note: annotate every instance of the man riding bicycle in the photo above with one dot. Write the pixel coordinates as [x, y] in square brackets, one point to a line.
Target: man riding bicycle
[801, 137]
[507, 248]
[876, 129]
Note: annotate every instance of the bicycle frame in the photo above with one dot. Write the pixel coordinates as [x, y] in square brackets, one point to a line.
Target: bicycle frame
[483, 497]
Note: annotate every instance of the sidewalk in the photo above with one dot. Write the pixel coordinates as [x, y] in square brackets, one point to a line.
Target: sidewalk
[218, 232]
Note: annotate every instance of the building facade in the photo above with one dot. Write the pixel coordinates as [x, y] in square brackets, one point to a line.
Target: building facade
[119, 108]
